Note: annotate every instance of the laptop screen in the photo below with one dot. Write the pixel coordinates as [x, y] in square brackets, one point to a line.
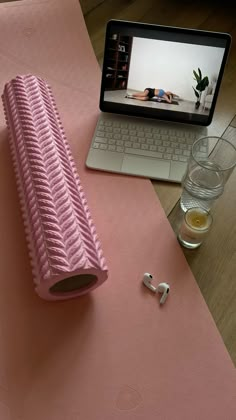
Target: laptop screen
[162, 72]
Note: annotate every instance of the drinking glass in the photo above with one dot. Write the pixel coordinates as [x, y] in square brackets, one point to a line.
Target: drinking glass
[211, 162]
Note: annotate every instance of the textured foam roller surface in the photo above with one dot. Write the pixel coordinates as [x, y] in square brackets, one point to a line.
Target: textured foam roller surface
[64, 249]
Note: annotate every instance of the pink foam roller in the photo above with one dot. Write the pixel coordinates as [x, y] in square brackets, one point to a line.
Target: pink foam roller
[65, 252]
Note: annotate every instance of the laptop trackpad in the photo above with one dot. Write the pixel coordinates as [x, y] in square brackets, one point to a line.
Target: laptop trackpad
[151, 168]
[100, 159]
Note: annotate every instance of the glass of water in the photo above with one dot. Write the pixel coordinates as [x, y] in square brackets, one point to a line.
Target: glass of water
[211, 162]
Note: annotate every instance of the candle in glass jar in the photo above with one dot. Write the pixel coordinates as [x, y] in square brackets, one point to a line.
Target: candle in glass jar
[194, 228]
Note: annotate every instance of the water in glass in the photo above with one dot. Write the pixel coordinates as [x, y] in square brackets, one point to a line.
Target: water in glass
[201, 186]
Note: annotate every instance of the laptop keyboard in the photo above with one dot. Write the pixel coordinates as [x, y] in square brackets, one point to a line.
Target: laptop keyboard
[144, 139]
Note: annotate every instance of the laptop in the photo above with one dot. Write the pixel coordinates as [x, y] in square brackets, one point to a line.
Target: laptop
[158, 95]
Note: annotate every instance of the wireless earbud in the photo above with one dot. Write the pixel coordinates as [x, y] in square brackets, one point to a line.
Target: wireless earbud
[147, 278]
[163, 288]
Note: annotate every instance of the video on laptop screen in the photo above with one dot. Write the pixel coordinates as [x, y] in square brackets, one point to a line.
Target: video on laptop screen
[167, 73]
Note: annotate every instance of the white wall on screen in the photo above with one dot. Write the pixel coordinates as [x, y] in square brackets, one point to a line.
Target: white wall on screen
[170, 65]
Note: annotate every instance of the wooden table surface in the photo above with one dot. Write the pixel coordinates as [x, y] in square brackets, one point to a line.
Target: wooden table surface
[214, 263]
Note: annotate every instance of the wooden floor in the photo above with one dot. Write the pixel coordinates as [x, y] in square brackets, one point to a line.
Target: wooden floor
[211, 15]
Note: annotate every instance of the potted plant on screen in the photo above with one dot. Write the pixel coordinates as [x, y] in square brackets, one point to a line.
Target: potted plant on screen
[202, 83]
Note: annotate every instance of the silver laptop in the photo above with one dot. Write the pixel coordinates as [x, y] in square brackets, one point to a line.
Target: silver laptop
[158, 94]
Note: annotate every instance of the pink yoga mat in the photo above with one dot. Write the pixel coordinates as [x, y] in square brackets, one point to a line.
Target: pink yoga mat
[114, 354]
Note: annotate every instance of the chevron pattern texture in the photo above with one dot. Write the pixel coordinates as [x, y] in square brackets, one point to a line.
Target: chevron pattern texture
[60, 233]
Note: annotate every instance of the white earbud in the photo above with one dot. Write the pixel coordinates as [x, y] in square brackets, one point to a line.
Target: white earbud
[163, 288]
[147, 278]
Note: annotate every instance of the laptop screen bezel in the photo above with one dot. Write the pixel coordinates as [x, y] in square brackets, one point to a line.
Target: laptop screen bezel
[199, 37]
